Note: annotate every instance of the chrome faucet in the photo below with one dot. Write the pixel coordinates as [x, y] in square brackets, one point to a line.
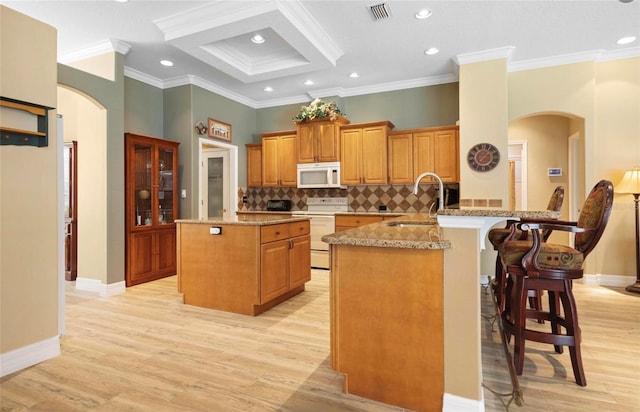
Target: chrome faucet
[440, 187]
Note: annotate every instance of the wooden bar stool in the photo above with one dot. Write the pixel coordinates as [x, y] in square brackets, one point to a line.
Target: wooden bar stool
[498, 236]
[536, 265]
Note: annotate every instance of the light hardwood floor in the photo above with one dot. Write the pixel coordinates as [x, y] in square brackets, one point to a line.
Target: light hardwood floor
[144, 351]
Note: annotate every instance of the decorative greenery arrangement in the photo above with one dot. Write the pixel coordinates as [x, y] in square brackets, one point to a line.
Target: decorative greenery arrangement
[318, 109]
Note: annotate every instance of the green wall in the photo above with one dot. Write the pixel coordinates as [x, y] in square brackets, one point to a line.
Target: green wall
[143, 108]
[407, 109]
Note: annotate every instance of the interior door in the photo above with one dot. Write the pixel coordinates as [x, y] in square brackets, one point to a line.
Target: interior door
[70, 155]
[215, 169]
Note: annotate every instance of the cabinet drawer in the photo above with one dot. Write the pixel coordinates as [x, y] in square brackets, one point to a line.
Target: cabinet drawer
[274, 232]
[358, 220]
[299, 228]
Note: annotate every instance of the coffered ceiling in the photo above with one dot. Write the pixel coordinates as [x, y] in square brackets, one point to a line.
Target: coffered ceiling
[209, 42]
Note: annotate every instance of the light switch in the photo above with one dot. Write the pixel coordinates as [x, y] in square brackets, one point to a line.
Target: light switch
[213, 230]
[183, 194]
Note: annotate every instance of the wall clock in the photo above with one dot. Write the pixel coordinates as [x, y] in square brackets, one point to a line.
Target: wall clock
[483, 157]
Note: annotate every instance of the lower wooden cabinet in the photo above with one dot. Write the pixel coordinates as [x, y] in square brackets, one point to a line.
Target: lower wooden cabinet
[285, 264]
[152, 255]
[243, 268]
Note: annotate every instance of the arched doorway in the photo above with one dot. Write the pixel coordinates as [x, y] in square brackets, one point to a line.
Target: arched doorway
[553, 141]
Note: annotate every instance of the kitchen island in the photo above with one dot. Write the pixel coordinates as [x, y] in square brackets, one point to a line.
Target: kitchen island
[386, 306]
[245, 264]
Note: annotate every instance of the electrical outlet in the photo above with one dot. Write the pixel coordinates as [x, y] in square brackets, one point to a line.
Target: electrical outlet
[183, 194]
[382, 208]
[244, 199]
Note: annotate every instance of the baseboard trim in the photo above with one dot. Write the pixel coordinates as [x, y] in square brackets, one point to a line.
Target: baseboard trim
[608, 280]
[29, 355]
[453, 403]
[94, 285]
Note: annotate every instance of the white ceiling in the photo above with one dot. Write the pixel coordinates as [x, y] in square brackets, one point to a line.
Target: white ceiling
[325, 41]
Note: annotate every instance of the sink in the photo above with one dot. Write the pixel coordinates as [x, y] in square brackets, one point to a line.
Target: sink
[410, 223]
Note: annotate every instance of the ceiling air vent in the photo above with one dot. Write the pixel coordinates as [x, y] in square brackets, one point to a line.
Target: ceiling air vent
[380, 11]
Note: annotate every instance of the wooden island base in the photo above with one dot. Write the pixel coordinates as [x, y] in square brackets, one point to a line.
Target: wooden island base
[246, 265]
[387, 324]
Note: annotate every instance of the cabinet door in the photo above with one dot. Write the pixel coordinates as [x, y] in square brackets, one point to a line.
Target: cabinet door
[274, 270]
[254, 165]
[165, 246]
[299, 261]
[141, 257]
[288, 166]
[400, 148]
[326, 136]
[140, 183]
[374, 155]
[423, 154]
[446, 159]
[306, 143]
[351, 154]
[270, 161]
[166, 185]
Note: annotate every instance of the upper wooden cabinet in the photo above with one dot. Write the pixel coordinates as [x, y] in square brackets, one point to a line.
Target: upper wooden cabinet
[254, 164]
[151, 206]
[412, 152]
[318, 140]
[364, 153]
[279, 167]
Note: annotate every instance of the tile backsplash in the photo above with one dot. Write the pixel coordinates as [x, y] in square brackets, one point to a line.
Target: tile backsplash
[397, 198]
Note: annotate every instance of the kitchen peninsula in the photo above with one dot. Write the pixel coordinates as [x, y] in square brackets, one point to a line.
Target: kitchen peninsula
[405, 307]
[386, 305]
[245, 264]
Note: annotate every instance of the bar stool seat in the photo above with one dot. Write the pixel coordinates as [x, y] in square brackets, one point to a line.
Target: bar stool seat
[537, 265]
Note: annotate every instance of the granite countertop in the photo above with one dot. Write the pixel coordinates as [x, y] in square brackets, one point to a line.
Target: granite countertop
[374, 213]
[520, 214]
[426, 235]
[271, 212]
[248, 220]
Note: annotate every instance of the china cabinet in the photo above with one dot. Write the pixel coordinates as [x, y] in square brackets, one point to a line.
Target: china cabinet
[151, 201]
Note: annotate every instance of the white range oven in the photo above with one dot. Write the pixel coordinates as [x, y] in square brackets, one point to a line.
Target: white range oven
[322, 212]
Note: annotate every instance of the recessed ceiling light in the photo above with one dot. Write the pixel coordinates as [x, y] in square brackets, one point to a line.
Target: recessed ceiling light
[257, 39]
[431, 51]
[423, 14]
[268, 89]
[308, 82]
[122, 1]
[167, 63]
[627, 40]
[354, 75]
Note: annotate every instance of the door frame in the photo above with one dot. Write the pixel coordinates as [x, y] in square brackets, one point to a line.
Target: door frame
[524, 176]
[232, 204]
[214, 153]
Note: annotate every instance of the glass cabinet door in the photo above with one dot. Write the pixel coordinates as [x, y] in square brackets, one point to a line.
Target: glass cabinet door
[165, 185]
[143, 184]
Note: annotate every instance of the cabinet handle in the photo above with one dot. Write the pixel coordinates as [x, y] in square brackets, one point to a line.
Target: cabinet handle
[277, 233]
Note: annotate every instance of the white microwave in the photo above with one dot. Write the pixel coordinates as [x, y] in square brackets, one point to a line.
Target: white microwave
[318, 175]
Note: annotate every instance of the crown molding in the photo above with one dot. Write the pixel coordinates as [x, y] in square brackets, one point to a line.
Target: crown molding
[627, 53]
[555, 61]
[484, 55]
[143, 77]
[105, 46]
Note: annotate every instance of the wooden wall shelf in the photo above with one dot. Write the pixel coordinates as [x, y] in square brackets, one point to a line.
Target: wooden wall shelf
[20, 137]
